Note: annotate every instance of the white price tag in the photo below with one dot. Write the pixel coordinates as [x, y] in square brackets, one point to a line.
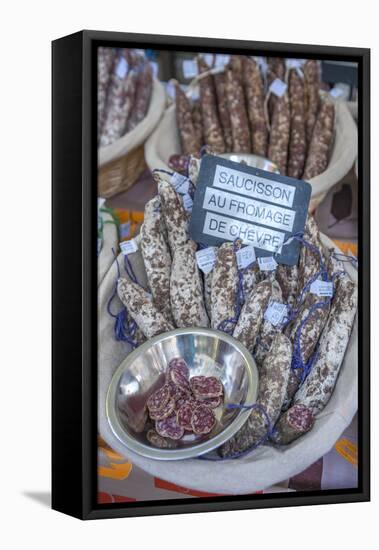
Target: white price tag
[122, 67]
[336, 93]
[170, 90]
[222, 60]
[206, 259]
[180, 183]
[128, 247]
[278, 87]
[100, 202]
[245, 256]
[275, 313]
[267, 263]
[124, 230]
[154, 68]
[322, 288]
[208, 58]
[193, 93]
[189, 68]
[294, 63]
[187, 202]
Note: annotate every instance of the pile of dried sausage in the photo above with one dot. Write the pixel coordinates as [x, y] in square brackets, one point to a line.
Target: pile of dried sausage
[277, 113]
[124, 86]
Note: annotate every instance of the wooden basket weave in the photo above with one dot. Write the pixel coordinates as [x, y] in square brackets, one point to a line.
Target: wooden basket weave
[121, 163]
[120, 174]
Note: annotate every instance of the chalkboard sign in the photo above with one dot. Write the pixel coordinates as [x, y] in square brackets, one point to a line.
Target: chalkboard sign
[233, 200]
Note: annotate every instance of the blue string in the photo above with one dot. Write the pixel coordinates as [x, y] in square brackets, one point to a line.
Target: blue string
[129, 270]
[345, 258]
[269, 433]
[301, 368]
[203, 150]
[124, 328]
[163, 171]
[323, 273]
[297, 364]
[300, 238]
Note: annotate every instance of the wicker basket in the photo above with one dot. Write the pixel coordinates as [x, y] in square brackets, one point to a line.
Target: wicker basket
[164, 142]
[121, 163]
[120, 174]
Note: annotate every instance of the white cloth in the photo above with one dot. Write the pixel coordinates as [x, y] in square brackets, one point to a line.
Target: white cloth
[109, 241]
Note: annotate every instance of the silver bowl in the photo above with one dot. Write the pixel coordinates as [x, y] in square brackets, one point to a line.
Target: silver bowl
[255, 161]
[206, 352]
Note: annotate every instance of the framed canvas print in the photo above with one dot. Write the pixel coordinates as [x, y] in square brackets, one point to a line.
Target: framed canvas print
[210, 274]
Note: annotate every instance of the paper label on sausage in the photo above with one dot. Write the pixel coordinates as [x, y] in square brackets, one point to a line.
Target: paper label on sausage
[122, 67]
[322, 288]
[206, 259]
[187, 202]
[275, 313]
[294, 63]
[222, 60]
[170, 90]
[189, 68]
[267, 263]
[336, 93]
[208, 58]
[278, 87]
[128, 247]
[245, 256]
[154, 68]
[180, 183]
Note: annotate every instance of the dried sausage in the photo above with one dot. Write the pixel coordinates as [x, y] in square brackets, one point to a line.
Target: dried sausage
[251, 316]
[188, 136]
[220, 85]
[312, 94]
[144, 86]
[237, 110]
[254, 92]
[297, 145]
[272, 385]
[139, 305]
[156, 257]
[186, 288]
[280, 133]
[213, 136]
[321, 142]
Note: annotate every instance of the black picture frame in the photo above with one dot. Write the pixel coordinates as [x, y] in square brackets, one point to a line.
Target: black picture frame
[74, 272]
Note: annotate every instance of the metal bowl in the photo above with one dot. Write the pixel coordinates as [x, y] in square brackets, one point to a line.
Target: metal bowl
[206, 352]
[255, 161]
